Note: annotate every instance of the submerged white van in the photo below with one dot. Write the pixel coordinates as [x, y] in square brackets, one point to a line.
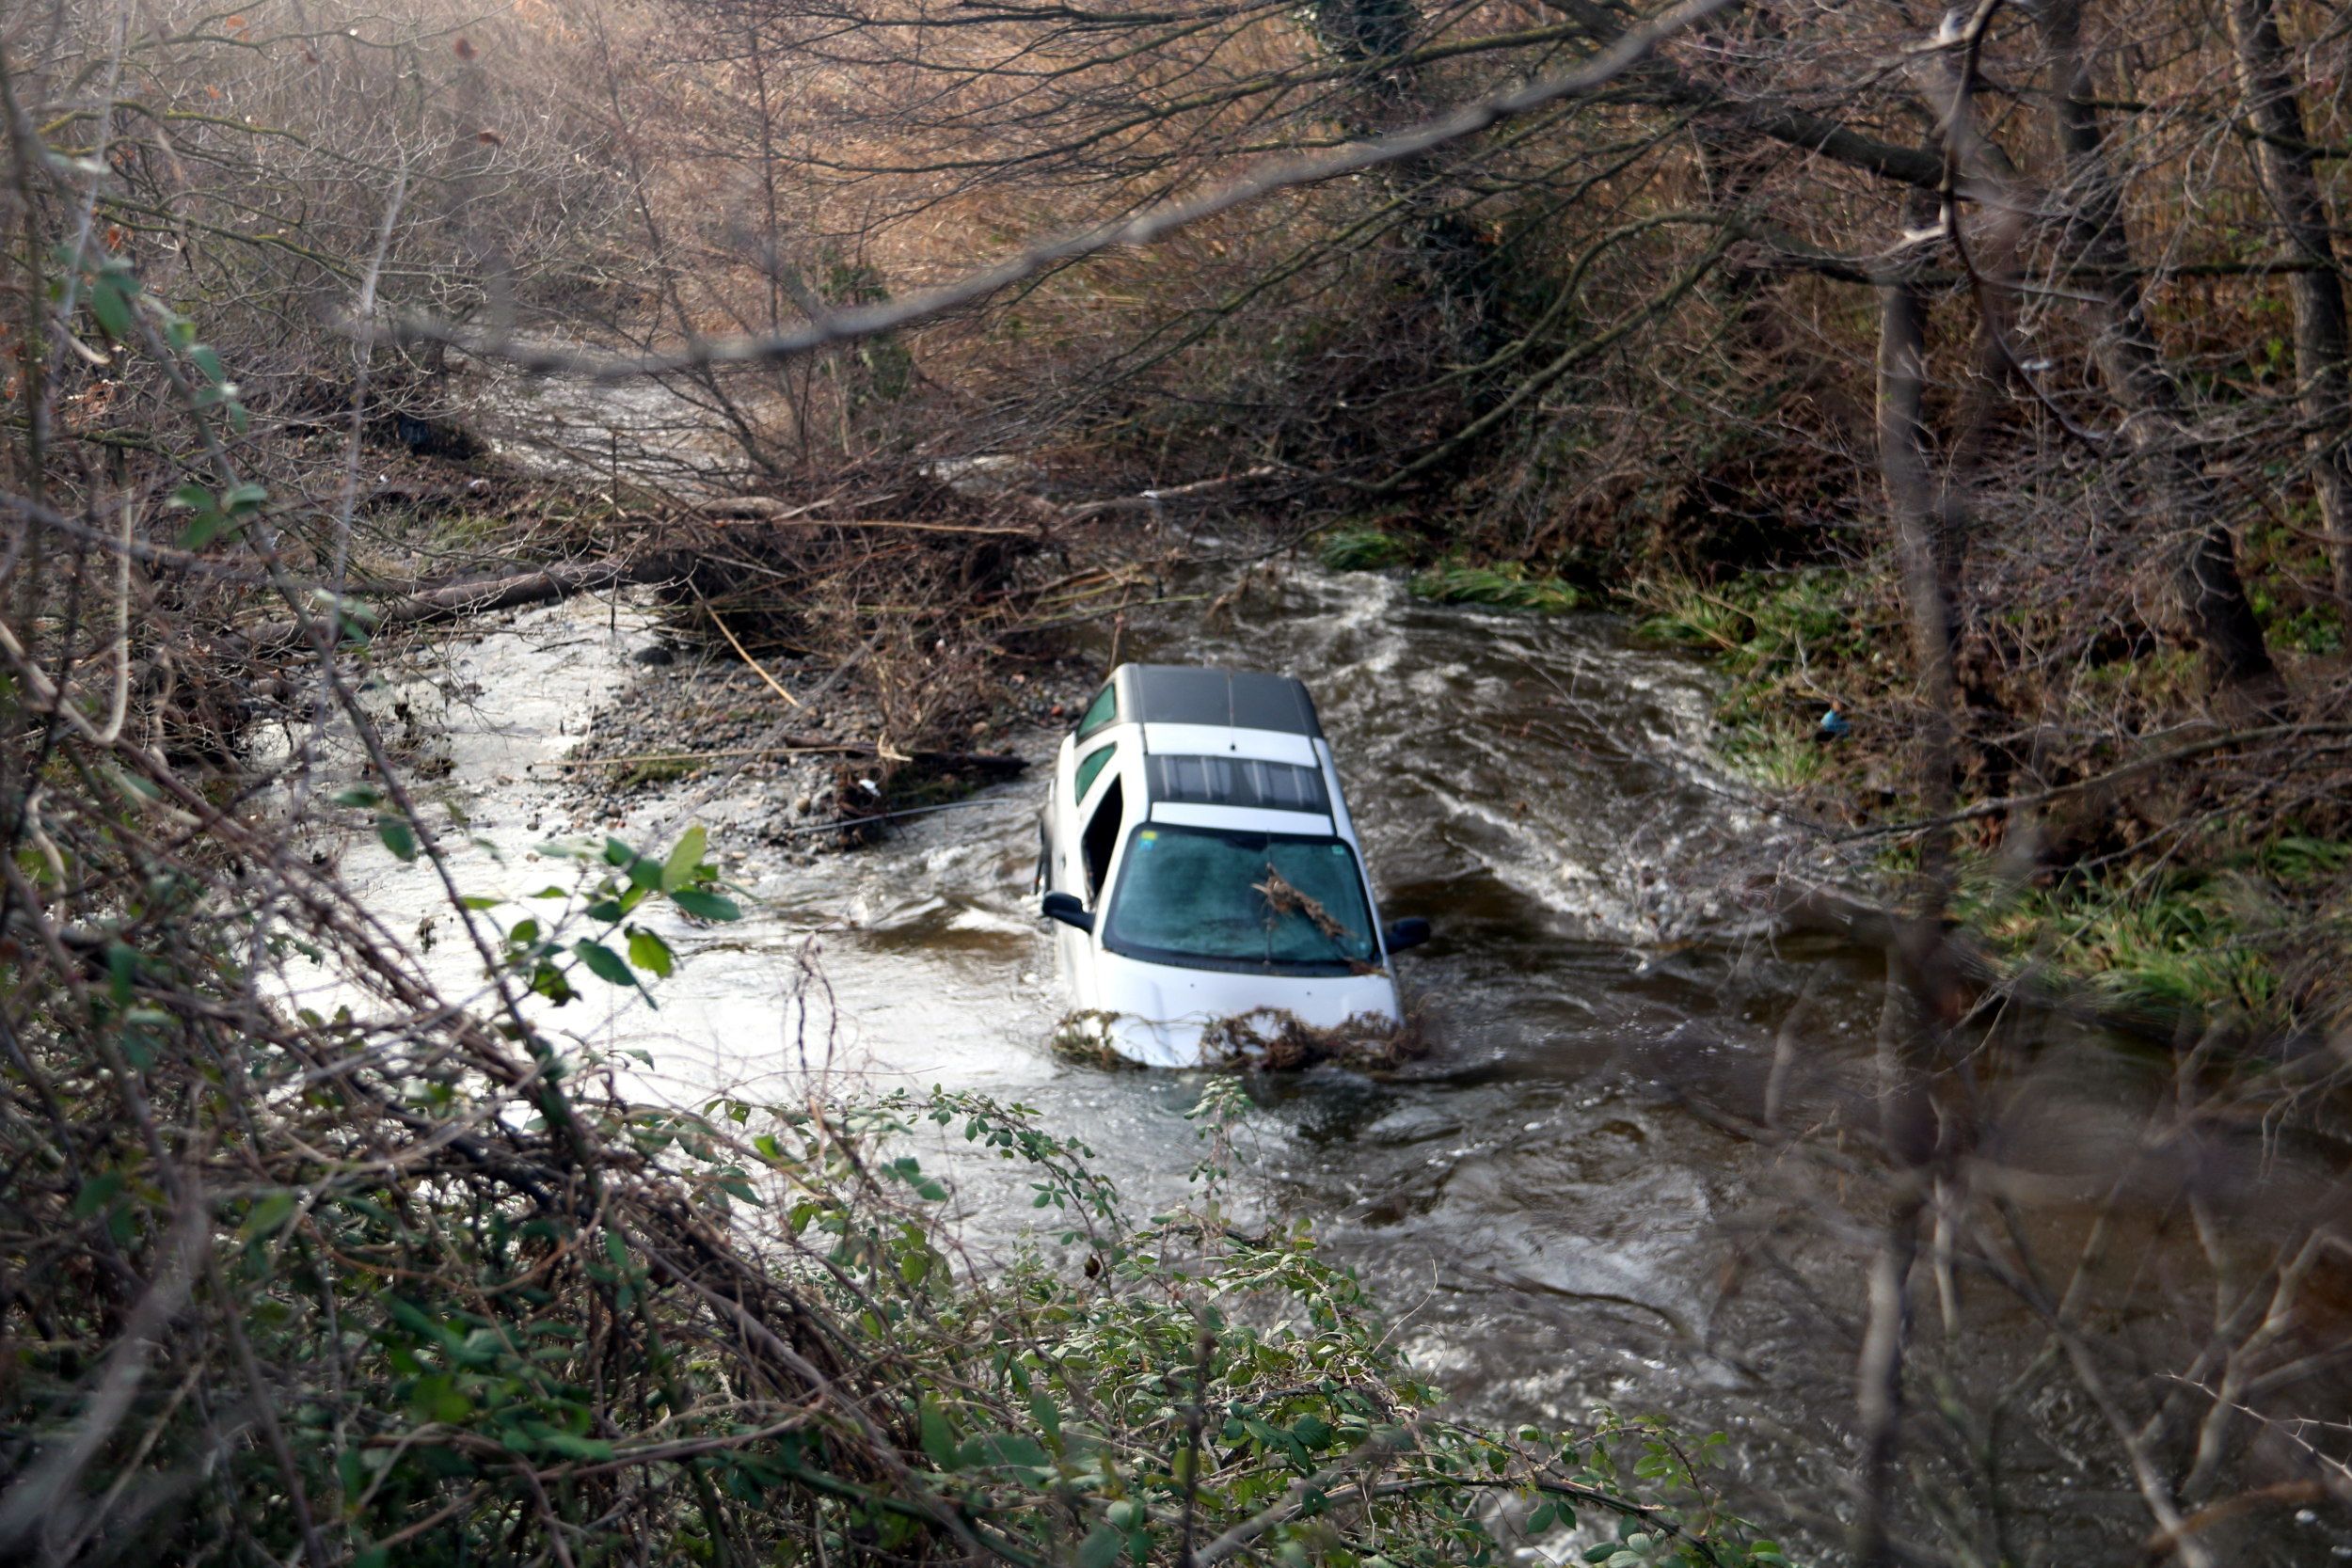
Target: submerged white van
[1199, 858]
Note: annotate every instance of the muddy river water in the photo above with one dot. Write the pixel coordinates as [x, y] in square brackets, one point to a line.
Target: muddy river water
[1548, 1202]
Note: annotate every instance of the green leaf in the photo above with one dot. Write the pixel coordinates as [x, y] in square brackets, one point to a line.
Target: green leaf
[939, 1438]
[268, 1212]
[398, 836]
[203, 530]
[437, 1398]
[648, 952]
[122, 972]
[358, 795]
[604, 963]
[98, 1192]
[110, 302]
[209, 363]
[1100, 1549]
[193, 497]
[706, 906]
[685, 860]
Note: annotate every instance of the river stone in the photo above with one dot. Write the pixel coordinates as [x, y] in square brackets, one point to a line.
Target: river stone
[1413, 1124]
[654, 652]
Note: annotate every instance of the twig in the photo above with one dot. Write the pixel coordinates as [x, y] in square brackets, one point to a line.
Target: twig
[732, 641]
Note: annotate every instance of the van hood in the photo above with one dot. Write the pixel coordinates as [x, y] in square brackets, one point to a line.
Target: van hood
[1159, 1016]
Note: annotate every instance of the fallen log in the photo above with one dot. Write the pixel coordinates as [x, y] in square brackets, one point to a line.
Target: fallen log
[753, 508]
[802, 746]
[472, 597]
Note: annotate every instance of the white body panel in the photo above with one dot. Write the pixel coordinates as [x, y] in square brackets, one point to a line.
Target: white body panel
[1208, 740]
[1155, 1012]
[1250, 819]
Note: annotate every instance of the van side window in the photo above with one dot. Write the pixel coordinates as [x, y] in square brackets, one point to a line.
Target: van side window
[1091, 767]
[1099, 712]
[1101, 839]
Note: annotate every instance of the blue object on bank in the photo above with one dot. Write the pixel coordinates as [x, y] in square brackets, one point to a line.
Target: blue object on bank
[1833, 726]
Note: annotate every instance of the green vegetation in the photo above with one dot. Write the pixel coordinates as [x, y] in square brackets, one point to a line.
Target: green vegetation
[1777, 629]
[2169, 941]
[1794, 643]
[1504, 585]
[1778, 754]
[2228, 920]
[1455, 580]
[1363, 549]
[2233, 932]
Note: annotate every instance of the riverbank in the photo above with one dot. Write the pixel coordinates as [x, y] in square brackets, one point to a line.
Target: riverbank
[2112, 848]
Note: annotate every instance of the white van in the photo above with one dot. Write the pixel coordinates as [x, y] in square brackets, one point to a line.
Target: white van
[1199, 858]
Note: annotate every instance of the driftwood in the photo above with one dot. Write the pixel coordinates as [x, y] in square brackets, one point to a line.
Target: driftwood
[801, 746]
[767, 509]
[475, 596]
[1151, 501]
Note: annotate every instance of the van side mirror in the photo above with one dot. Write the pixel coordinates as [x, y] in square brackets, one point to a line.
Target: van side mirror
[1065, 908]
[1411, 931]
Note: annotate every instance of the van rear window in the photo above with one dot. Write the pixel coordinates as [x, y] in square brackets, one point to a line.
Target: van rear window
[1236, 782]
[1099, 712]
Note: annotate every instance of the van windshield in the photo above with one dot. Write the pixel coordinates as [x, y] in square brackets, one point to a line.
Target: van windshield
[1240, 900]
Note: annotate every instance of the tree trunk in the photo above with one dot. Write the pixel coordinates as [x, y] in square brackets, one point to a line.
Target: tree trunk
[2291, 183]
[1927, 556]
[2189, 509]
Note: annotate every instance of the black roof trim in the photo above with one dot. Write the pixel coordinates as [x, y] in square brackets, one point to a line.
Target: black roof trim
[1191, 694]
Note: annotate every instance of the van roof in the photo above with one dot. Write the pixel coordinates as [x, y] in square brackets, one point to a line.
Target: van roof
[1237, 698]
